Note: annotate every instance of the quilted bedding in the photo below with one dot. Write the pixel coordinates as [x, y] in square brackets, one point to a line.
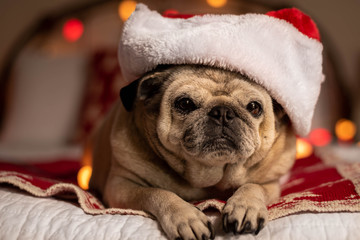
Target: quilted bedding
[318, 202]
[27, 217]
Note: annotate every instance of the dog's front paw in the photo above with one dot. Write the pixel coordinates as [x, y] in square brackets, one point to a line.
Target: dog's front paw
[186, 222]
[242, 216]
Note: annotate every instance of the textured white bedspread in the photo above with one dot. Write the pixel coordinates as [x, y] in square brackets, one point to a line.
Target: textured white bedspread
[26, 217]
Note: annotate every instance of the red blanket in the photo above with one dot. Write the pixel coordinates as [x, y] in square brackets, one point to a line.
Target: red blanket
[312, 187]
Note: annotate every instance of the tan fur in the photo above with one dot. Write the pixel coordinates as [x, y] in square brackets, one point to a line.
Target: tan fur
[143, 161]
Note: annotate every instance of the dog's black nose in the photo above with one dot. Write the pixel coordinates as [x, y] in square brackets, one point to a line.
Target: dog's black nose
[222, 114]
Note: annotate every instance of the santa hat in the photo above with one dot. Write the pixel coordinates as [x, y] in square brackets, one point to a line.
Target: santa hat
[280, 51]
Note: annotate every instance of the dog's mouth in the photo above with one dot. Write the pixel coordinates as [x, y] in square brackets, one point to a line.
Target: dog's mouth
[220, 144]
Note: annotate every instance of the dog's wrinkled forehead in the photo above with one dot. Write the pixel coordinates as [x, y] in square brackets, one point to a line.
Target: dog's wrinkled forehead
[210, 77]
[211, 84]
[195, 77]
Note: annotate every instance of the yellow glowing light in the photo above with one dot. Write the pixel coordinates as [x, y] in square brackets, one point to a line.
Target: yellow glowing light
[83, 177]
[345, 130]
[126, 8]
[87, 155]
[303, 148]
[216, 3]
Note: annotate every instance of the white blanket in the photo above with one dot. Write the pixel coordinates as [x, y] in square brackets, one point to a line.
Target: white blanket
[26, 217]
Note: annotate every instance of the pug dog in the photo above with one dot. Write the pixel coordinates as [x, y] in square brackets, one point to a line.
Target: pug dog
[189, 133]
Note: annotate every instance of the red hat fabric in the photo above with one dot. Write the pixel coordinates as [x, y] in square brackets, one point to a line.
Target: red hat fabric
[299, 20]
[280, 51]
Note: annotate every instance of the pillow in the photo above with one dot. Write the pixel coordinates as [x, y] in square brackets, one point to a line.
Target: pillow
[101, 92]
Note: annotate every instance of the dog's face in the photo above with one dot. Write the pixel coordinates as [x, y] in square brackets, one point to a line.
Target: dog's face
[204, 116]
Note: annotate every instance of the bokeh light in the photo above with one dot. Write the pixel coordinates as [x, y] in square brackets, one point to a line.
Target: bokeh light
[345, 130]
[73, 29]
[170, 12]
[126, 8]
[303, 148]
[320, 137]
[216, 3]
[83, 177]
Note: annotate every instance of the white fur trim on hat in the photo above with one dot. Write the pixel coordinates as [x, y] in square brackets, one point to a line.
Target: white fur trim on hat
[271, 51]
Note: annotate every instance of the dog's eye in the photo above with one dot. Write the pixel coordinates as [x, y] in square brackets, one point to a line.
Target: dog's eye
[185, 105]
[254, 108]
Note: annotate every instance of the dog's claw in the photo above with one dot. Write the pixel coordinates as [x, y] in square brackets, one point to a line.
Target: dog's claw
[246, 228]
[235, 226]
[211, 229]
[230, 226]
[225, 222]
[260, 225]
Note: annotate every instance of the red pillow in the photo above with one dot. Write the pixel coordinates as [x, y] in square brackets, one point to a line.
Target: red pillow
[101, 92]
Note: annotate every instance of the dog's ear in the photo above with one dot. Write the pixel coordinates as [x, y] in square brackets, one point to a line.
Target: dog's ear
[144, 88]
[150, 85]
[278, 109]
[128, 95]
[280, 114]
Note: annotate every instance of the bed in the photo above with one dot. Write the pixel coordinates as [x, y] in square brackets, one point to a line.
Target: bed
[41, 200]
[28, 217]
